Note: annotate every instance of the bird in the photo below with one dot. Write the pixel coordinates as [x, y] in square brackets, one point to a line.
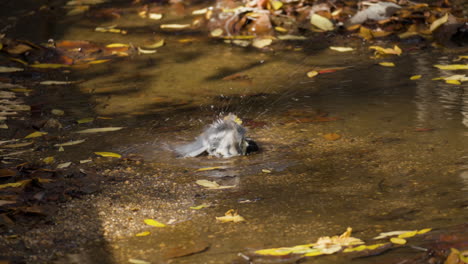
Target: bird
[224, 138]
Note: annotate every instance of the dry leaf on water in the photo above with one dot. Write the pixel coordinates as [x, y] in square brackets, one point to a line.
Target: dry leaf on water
[36, 134]
[108, 154]
[211, 168]
[154, 223]
[387, 64]
[212, 185]
[97, 130]
[230, 216]
[321, 22]
[341, 49]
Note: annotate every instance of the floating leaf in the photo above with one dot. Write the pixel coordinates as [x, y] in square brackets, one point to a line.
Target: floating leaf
[14, 184]
[456, 82]
[36, 134]
[459, 58]
[291, 37]
[266, 171]
[217, 32]
[312, 74]
[145, 233]
[48, 160]
[111, 29]
[117, 45]
[387, 64]
[70, 143]
[458, 77]
[97, 130]
[341, 49]
[424, 231]
[146, 51]
[201, 206]
[4, 69]
[57, 112]
[283, 251]
[452, 67]
[212, 185]
[55, 82]
[211, 168]
[331, 136]
[108, 154]
[415, 77]
[398, 241]
[64, 165]
[276, 4]
[281, 29]
[438, 22]
[321, 22]
[155, 45]
[387, 51]
[363, 247]
[261, 43]
[138, 261]
[6, 202]
[199, 11]
[230, 216]
[175, 26]
[85, 120]
[155, 16]
[391, 233]
[154, 223]
[49, 65]
[18, 145]
[98, 61]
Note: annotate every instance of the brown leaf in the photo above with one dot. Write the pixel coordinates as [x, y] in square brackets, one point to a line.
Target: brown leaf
[331, 136]
[186, 250]
[7, 173]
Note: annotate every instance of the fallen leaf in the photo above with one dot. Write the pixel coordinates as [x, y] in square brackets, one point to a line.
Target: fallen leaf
[18, 145]
[111, 29]
[4, 69]
[48, 160]
[438, 22]
[98, 61]
[199, 11]
[138, 261]
[331, 136]
[85, 120]
[108, 154]
[415, 77]
[266, 171]
[57, 112]
[452, 67]
[4, 173]
[321, 22]
[212, 185]
[398, 241]
[198, 207]
[64, 165]
[230, 216]
[70, 143]
[291, 37]
[216, 32]
[175, 26]
[281, 29]
[55, 82]
[117, 45]
[456, 82]
[14, 184]
[341, 49]
[146, 51]
[98, 130]
[387, 51]
[462, 57]
[155, 16]
[211, 168]
[155, 45]
[145, 233]
[364, 247]
[387, 64]
[36, 134]
[48, 65]
[312, 74]
[391, 233]
[261, 43]
[154, 223]
[276, 4]
[6, 202]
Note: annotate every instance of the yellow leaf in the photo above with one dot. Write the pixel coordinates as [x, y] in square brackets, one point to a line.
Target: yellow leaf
[19, 60]
[36, 134]
[408, 234]
[230, 216]
[14, 184]
[461, 58]
[18, 145]
[363, 247]
[154, 223]
[4, 69]
[398, 241]
[97, 130]
[98, 61]
[145, 233]
[211, 168]
[281, 29]
[198, 207]
[85, 120]
[438, 22]
[276, 4]
[452, 67]
[266, 171]
[48, 160]
[64, 165]
[261, 43]
[331, 136]
[155, 16]
[155, 45]
[415, 77]
[387, 64]
[117, 45]
[312, 74]
[70, 143]
[217, 32]
[108, 154]
[321, 22]
[423, 231]
[365, 33]
[212, 185]
[49, 65]
[20, 90]
[341, 49]
[146, 51]
[456, 82]
[175, 26]
[392, 51]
